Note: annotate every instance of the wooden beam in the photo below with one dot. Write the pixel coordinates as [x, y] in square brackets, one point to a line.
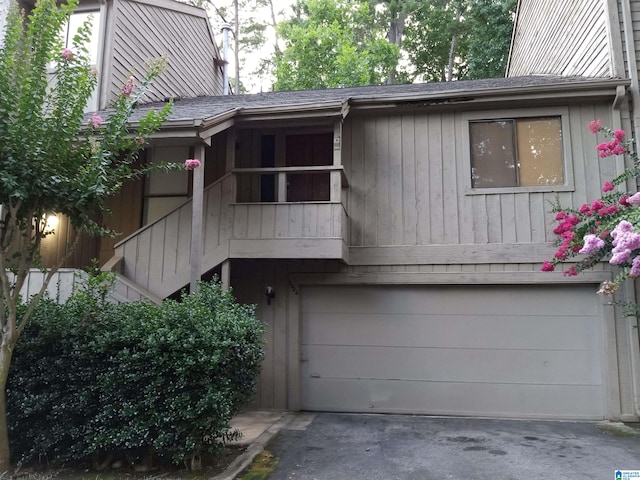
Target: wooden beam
[197, 209]
[452, 254]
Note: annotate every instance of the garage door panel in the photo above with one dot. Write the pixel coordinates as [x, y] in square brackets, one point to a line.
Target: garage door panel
[448, 300]
[446, 398]
[525, 351]
[431, 330]
[455, 365]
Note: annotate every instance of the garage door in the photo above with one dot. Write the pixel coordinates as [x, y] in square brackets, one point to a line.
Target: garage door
[508, 351]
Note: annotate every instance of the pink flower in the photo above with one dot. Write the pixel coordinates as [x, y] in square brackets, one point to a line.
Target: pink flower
[548, 266]
[128, 88]
[618, 150]
[191, 163]
[95, 121]
[591, 244]
[624, 201]
[594, 126]
[634, 199]
[597, 205]
[572, 272]
[608, 186]
[584, 208]
[67, 54]
[619, 135]
[561, 215]
[625, 241]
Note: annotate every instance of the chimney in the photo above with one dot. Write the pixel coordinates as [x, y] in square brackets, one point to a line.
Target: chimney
[226, 28]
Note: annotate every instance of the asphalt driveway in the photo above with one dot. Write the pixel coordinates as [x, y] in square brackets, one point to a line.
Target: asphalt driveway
[390, 447]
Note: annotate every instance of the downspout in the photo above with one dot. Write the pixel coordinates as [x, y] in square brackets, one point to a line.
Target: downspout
[632, 66]
[226, 28]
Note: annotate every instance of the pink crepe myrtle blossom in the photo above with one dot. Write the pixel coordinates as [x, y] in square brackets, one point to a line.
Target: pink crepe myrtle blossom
[608, 186]
[547, 266]
[591, 244]
[610, 210]
[67, 54]
[594, 126]
[619, 135]
[624, 201]
[625, 241]
[634, 199]
[95, 121]
[571, 272]
[191, 163]
[128, 88]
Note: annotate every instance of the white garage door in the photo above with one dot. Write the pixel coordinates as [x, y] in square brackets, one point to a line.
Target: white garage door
[510, 351]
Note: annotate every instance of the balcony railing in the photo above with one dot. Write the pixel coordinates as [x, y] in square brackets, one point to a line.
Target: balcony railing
[157, 259]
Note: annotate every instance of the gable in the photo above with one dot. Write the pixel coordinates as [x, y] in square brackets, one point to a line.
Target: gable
[570, 37]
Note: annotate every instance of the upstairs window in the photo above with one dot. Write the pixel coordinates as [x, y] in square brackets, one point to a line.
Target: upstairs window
[519, 152]
[78, 19]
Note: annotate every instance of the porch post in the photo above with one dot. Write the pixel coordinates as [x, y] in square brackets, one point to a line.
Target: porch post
[225, 275]
[197, 209]
[336, 180]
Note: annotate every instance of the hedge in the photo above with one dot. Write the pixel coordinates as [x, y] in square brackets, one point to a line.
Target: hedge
[93, 379]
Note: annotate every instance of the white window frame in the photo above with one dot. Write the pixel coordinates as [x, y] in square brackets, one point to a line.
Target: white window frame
[495, 115]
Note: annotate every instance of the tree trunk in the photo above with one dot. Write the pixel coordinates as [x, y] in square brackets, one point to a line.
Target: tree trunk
[452, 52]
[395, 33]
[5, 362]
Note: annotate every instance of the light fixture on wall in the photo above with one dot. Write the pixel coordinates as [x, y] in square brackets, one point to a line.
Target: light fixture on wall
[271, 293]
[51, 224]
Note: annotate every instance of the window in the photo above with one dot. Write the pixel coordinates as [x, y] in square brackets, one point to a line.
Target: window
[76, 20]
[519, 152]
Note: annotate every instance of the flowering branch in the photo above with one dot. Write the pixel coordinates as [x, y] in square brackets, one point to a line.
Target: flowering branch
[605, 229]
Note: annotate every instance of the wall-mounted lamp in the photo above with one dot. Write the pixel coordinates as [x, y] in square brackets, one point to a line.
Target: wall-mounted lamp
[51, 224]
[271, 293]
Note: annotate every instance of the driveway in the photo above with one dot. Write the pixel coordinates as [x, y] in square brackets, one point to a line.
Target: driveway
[390, 447]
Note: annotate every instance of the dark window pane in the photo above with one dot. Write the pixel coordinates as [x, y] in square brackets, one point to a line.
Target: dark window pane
[492, 154]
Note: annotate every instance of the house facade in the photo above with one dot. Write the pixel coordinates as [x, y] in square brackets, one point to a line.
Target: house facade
[393, 244]
[391, 239]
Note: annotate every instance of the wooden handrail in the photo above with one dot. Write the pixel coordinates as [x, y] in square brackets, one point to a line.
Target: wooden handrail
[307, 169]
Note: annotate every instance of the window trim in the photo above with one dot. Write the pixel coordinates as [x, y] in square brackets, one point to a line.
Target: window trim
[494, 115]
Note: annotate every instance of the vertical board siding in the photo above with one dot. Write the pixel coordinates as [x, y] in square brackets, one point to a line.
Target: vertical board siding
[143, 32]
[579, 26]
[408, 176]
[60, 287]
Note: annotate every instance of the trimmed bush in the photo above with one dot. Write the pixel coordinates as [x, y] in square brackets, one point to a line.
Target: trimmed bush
[92, 379]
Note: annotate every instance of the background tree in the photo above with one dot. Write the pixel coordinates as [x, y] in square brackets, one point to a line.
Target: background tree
[333, 43]
[253, 23]
[459, 39]
[50, 159]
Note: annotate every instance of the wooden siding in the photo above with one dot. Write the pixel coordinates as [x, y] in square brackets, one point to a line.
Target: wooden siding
[142, 31]
[61, 285]
[157, 259]
[55, 246]
[561, 38]
[407, 176]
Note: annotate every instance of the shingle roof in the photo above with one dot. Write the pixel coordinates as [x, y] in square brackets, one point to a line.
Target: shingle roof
[202, 108]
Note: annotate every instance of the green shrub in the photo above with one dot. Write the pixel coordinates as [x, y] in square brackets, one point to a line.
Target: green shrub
[93, 379]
